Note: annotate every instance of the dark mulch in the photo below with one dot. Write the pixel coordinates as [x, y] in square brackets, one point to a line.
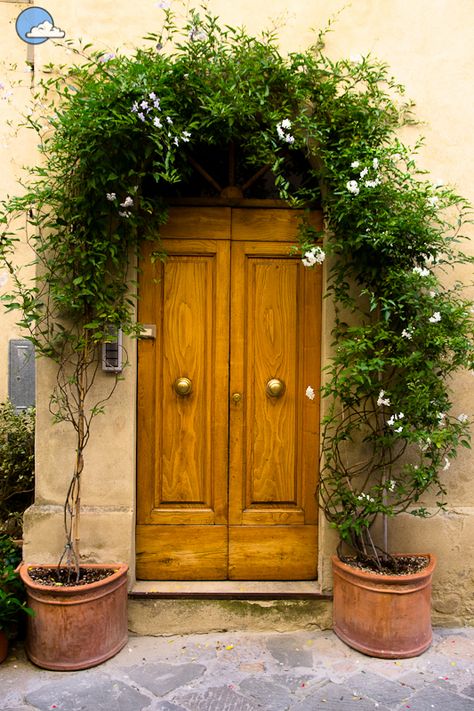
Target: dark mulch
[394, 565]
[65, 577]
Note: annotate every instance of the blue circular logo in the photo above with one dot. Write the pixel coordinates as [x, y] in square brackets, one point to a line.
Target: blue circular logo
[35, 26]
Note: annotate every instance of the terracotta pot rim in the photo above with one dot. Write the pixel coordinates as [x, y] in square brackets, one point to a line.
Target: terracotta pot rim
[380, 577]
[120, 570]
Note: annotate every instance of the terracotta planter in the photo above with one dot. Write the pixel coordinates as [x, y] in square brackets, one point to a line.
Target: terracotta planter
[76, 627]
[3, 646]
[385, 616]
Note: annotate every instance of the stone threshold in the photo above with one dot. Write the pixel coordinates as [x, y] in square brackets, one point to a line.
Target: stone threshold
[228, 589]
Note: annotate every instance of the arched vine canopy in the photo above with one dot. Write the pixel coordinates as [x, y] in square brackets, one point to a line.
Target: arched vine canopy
[120, 130]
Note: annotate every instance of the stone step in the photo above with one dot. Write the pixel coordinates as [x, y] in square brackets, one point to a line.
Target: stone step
[182, 607]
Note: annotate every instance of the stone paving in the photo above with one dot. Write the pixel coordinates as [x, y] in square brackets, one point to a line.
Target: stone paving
[301, 671]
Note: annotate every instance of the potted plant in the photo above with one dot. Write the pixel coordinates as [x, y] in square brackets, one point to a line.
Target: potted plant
[12, 602]
[402, 328]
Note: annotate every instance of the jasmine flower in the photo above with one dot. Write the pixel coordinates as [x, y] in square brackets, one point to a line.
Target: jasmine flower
[353, 187]
[310, 394]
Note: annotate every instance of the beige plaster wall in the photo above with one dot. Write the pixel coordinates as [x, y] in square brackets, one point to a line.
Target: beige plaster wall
[428, 44]
[16, 149]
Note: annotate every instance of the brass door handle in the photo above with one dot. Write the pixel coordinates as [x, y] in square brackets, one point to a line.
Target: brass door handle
[183, 386]
[275, 387]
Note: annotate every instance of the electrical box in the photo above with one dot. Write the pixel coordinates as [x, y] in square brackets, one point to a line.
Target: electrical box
[21, 374]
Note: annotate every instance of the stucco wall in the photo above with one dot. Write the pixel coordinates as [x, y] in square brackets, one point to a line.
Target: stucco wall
[428, 44]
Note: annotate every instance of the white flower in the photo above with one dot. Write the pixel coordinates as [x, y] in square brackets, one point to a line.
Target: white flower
[447, 464]
[157, 122]
[128, 202]
[310, 394]
[364, 172]
[435, 318]
[433, 200]
[144, 104]
[441, 416]
[141, 116]
[391, 485]
[396, 157]
[365, 497]
[169, 120]
[196, 34]
[382, 400]
[394, 419]
[355, 164]
[152, 95]
[407, 334]
[283, 135]
[156, 103]
[176, 141]
[463, 417]
[353, 187]
[111, 196]
[372, 183]
[398, 429]
[163, 5]
[124, 213]
[314, 256]
[375, 163]
[421, 271]
[185, 136]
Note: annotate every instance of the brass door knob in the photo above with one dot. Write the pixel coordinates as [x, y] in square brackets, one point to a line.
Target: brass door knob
[236, 397]
[275, 387]
[183, 386]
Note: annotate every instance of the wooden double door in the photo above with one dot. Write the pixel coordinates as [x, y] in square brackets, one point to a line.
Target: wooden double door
[227, 440]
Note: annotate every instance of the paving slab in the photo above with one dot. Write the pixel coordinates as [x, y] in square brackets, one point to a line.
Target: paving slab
[162, 678]
[270, 696]
[337, 697]
[95, 691]
[432, 697]
[218, 699]
[378, 689]
[290, 650]
[301, 671]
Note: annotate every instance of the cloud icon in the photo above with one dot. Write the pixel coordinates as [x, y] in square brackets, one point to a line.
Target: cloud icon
[45, 30]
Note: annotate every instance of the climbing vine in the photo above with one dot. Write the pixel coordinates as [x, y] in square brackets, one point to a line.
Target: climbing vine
[120, 132]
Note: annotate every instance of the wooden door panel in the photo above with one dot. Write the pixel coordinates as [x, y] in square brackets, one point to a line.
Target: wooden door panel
[182, 552]
[274, 441]
[182, 455]
[273, 552]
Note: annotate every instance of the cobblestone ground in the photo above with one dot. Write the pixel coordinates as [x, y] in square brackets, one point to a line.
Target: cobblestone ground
[302, 671]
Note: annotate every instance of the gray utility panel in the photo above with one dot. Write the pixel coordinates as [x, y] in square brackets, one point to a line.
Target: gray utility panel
[21, 373]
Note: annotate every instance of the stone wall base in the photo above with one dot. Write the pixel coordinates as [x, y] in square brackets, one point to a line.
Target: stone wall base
[107, 534]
